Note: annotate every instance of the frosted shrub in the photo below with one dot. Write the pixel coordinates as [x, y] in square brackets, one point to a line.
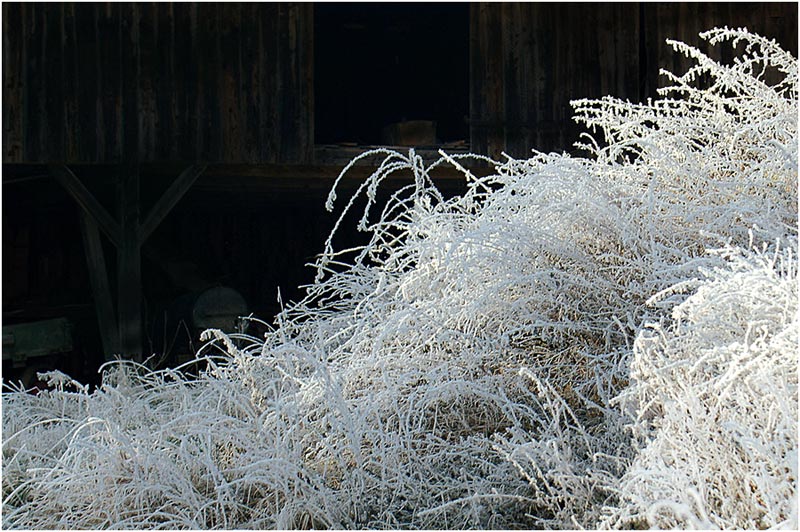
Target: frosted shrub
[715, 395]
[521, 355]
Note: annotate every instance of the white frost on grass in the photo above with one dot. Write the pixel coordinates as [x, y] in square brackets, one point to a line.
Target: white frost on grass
[557, 347]
[715, 398]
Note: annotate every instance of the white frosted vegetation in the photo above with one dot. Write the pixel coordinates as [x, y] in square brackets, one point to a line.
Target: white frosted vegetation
[715, 397]
[559, 346]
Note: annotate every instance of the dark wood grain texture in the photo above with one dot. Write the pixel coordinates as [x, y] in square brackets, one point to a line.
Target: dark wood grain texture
[116, 83]
[142, 82]
[528, 60]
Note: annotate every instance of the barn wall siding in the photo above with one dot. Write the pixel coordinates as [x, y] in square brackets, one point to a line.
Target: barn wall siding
[233, 82]
[13, 75]
[529, 60]
[155, 82]
[684, 21]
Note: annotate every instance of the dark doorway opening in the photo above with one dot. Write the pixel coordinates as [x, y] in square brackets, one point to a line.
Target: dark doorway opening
[377, 65]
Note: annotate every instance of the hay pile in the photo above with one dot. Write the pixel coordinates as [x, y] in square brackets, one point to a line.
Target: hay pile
[606, 341]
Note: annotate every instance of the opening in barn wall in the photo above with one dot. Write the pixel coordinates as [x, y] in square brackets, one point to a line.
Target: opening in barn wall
[378, 67]
[272, 100]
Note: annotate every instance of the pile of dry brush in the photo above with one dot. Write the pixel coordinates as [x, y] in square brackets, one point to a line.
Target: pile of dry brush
[608, 341]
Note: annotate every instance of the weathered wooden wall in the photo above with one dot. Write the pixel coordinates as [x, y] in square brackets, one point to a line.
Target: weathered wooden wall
[233, 82]
[228, 82]
[529, 60]
[684, 21]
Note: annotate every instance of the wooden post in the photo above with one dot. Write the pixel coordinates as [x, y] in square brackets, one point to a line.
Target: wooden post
[129, 265]
[123, 335]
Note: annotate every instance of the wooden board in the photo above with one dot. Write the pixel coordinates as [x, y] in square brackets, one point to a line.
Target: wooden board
[117, 83]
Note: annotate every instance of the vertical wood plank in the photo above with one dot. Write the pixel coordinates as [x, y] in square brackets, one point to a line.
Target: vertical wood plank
[173, 133]
[82, 29]
[527, 66]
[539, 72]
[209, 65]
[268, 82]
[606, 46]
[493, 91]
[649, 51]
[184, 66]
[53, 60]
[129, 265]
[556, 57]
[130, 61]
[486, 104]
[151, 83]
[305, 74]
[13, 78]
[161, 68]
[781, 24]
[294, 85]
[249, 69]
[34, 97]
[196, 93]
[69, 77]
[549, 54]
[628, 23]
[513, 136]
[229, 82]
[108, 137]
[287, 106]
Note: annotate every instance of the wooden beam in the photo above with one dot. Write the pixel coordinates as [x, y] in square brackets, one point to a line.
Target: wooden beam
[302, 177]
[169, 199]
[101, 293]
[88, 202]
[129, 266]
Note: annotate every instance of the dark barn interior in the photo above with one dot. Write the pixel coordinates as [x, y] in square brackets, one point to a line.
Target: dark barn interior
[165, 166]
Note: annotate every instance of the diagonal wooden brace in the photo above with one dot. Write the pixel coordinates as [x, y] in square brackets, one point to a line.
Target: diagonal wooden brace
[88, 202]
[122, 335]
[101, 292]
[169, 199]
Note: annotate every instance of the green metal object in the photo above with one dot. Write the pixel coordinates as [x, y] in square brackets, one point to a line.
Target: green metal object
[36, 339]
